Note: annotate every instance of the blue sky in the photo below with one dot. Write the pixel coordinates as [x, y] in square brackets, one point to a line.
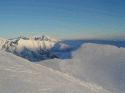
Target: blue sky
[62, 18]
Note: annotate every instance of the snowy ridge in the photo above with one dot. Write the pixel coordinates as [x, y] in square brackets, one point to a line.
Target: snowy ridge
[91, 68]
[36, 48]
[2, 42]
[21, 76]
[106, 61]
[100, 64]
[39, 38]
[45, 42]
[28, 49]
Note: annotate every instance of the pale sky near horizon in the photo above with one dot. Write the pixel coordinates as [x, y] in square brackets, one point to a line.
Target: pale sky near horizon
[62, 18]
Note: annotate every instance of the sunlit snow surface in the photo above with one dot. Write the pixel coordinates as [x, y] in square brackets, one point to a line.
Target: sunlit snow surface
[35, 48]
[91, 67]
[100, 64]
[18, 75]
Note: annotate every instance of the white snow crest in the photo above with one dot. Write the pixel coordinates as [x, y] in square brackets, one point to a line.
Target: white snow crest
[35, 48]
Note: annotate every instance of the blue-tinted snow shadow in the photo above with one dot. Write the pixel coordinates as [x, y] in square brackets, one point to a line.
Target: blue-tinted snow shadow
[57, 48]
[78, 43]
[117, 74]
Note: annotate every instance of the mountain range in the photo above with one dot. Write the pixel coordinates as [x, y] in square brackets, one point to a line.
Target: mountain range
[68, 66]
[34, 48]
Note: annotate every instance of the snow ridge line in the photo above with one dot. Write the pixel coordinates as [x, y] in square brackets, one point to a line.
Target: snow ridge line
[94, 87]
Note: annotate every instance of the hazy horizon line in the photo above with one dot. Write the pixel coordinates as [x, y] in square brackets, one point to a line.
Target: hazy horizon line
[118, 37]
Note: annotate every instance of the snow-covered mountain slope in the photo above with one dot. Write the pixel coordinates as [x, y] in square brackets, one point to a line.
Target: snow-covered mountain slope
[2, 42]
[29, 49]
[39, 38]
[46, 45]
[35, 48]
[18, 75]
[107, 65]
[101, 64]
[45, 42]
